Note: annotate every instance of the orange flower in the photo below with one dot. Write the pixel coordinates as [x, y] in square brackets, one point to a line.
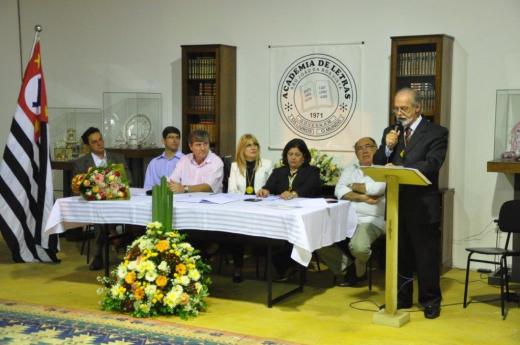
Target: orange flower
[162, 245]
[185, 298]
[139, 293]
[181, 269]
[161, 281]
[130, 277]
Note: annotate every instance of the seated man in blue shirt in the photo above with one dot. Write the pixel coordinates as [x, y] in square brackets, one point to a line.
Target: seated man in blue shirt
[164, 164]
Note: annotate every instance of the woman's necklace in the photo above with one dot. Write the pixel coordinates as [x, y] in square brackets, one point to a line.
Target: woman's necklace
[249, 179]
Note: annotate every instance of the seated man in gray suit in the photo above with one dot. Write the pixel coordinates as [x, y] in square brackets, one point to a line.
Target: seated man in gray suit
[97, 157]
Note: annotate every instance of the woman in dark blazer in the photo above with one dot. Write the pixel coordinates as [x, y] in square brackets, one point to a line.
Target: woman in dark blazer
[296, 178]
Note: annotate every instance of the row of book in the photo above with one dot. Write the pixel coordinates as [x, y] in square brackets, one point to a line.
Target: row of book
[426, 92]
[420, 63]
[209, 127]
[201, 68]
[201, 103]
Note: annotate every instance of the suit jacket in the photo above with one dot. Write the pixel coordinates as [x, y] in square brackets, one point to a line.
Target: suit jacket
[425, 152]
[307, 182]
[84, 162]
[237, 181]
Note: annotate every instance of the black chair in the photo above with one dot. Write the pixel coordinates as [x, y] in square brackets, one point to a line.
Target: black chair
[508, 222]
[227, 169]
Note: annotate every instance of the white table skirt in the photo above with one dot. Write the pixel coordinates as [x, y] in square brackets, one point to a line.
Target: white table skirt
[308, 227]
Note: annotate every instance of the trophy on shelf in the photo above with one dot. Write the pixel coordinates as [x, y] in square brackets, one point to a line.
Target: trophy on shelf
[514, 152]
[59, 150]
[71, 145]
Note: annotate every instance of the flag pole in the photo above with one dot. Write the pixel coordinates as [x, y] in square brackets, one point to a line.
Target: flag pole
[37, 29]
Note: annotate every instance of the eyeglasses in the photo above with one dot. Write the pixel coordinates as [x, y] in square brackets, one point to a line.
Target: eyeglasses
[365, 147]
[405, 109]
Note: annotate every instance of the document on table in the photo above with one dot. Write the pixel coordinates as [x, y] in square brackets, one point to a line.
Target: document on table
[212, 198]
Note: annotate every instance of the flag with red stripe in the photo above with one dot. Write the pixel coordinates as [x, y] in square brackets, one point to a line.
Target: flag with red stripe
[26, 190]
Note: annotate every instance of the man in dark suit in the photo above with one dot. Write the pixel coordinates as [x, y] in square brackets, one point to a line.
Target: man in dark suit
[422, 145]
[97, 157]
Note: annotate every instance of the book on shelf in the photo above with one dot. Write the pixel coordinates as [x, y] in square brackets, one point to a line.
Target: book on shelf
[416, 63]
[201, 67]
[426, 92]
[209, 127]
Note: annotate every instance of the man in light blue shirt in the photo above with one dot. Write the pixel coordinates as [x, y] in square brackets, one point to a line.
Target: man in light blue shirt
[164, 164]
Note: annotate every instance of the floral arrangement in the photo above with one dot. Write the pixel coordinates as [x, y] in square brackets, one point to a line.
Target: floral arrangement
[161, 275]
[329, 171]
[102, 183]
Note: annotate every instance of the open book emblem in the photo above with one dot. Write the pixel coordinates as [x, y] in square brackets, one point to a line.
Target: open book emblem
[316, 94]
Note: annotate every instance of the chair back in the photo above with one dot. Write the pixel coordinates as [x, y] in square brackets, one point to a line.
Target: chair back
[227, 169]
[509, 216]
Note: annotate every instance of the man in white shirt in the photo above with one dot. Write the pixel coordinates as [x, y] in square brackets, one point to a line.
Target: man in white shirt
[369, 202]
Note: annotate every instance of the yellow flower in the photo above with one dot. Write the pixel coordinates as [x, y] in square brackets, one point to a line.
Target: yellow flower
[86, 183]
[95, 189]
[181, 269]
[111, 178]
[161, 281]
[130, 277]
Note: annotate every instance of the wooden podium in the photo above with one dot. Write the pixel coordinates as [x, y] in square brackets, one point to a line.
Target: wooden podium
[393, 176]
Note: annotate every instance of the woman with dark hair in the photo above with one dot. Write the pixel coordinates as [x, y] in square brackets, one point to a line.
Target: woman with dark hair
[296, 178]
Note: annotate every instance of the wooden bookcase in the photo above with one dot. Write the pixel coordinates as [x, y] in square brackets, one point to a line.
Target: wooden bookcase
[209, 95]
[424, 63]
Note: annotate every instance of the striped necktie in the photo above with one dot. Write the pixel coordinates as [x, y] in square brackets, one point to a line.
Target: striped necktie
[407, 135]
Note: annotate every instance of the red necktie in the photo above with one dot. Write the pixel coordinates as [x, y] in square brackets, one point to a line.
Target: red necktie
[407, 135]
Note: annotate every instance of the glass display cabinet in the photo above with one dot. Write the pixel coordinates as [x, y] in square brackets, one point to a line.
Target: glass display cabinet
[66, 126]
[507, 125]
[132, 120]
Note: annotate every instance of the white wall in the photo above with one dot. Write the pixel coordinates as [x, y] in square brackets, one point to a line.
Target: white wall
[93, 46]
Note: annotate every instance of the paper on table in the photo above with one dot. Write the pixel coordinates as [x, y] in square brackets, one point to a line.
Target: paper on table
[214, 198]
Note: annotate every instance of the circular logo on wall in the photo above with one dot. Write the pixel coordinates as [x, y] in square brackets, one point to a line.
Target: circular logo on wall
[316, 96]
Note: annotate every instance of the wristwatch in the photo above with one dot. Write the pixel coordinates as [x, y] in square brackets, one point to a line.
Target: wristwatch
[186, 189]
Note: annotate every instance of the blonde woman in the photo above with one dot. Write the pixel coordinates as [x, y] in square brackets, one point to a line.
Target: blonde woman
[249, 172]
[247, 175]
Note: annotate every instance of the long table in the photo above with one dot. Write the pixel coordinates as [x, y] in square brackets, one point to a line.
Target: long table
[305, 224]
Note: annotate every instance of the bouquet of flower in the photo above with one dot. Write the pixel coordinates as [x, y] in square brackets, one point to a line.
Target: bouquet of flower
[329, 171]
[103, 183]
[161, 275]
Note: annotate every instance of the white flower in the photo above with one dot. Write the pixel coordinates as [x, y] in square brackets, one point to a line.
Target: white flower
[150, 290]
[122, 271]
[198, 287]
[163, 266]
[194, 275]
[186, 246]
[150, 276]
[184, 280]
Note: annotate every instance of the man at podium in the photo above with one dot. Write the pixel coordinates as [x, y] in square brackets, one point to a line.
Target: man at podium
[416, 143]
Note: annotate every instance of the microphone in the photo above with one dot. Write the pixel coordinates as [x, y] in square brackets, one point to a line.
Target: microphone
[398, 126]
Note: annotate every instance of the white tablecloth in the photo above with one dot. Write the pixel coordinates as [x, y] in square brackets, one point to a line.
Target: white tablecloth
[308, 227]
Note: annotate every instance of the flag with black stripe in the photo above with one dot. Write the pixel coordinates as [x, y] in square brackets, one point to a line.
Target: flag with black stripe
[25, 173]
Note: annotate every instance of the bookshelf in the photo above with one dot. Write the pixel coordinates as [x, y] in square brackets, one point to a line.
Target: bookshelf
[423, 63]
[209, 95]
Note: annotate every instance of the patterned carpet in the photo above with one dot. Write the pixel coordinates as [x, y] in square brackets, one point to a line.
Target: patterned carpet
[23, 324]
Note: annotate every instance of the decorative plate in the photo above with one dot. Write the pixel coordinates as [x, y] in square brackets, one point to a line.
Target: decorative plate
[138, 128]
